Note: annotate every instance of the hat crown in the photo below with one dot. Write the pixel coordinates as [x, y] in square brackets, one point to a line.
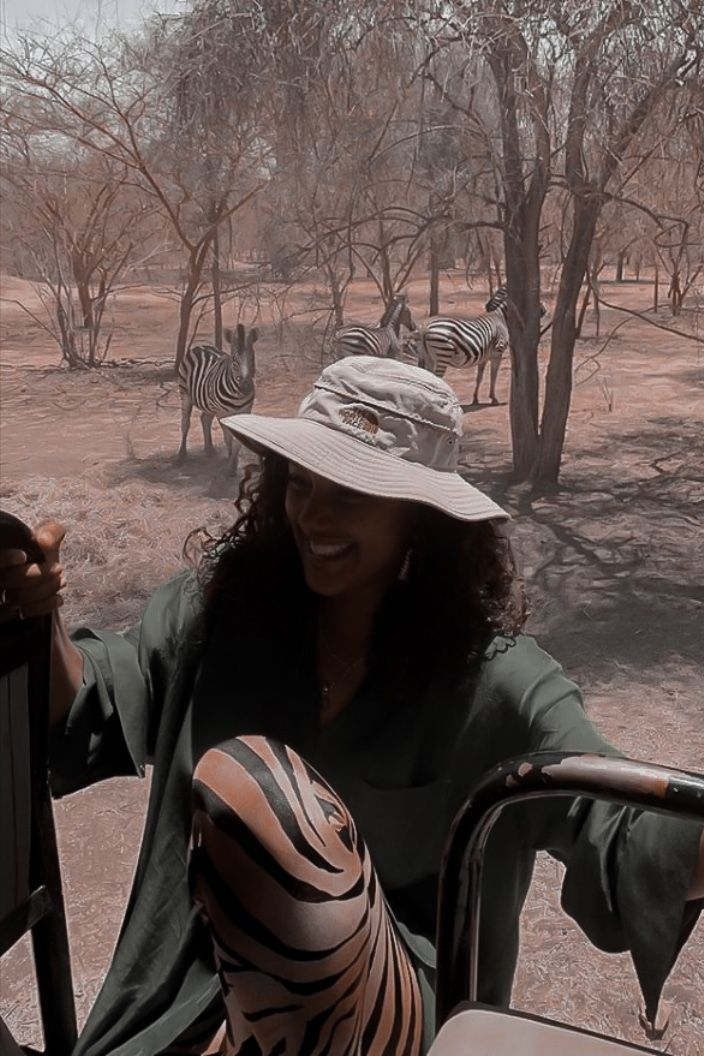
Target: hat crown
[394, 406]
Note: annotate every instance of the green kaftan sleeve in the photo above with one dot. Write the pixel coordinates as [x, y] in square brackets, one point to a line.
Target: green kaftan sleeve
[111, 727]
[627, 871]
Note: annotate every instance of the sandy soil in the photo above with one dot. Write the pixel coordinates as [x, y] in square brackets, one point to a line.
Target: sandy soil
[613, 562]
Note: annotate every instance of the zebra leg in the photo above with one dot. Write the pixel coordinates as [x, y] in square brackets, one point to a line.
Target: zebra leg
[186, 408]
[494, 371]
[480, 374]
[206, 419]
[308, 956]
[233, 450]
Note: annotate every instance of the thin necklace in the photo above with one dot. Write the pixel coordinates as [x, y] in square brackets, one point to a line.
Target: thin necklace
[347, 668]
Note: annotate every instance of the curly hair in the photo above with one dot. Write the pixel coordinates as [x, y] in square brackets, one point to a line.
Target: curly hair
[461, 590]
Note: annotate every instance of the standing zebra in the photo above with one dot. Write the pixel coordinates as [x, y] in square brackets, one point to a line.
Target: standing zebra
[218, 384]
[382, 340]
[447, 342]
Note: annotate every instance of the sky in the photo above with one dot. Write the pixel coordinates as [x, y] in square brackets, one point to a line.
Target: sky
[16, 14]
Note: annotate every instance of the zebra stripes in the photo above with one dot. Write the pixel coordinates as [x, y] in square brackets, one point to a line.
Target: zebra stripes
[308, 956]
[449, 342]
[218, 384]
[382, 340]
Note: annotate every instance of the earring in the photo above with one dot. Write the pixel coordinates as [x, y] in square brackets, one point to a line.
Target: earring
[405, 566]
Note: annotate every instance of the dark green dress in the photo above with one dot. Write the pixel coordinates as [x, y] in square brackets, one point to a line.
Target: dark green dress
[155, 694]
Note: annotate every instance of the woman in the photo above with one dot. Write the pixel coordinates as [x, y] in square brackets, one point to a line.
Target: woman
[317, 703]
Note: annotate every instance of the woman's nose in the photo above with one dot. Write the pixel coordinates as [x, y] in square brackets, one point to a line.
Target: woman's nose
[315, 512]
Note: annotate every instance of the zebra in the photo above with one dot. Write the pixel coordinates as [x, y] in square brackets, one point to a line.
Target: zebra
[446, 342]
[218, 384]
[381, 340]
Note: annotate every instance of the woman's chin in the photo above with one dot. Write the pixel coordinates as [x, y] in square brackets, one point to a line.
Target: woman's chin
[326, 584]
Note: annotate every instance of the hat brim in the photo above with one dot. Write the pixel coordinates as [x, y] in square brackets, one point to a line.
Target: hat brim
[353, 464]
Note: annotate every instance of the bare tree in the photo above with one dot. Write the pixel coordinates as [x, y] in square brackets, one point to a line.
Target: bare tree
[74, 225]
[575, 86]
[122, 100]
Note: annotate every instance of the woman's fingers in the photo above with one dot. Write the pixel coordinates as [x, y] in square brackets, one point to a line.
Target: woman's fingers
[50, 536]
[28, 588]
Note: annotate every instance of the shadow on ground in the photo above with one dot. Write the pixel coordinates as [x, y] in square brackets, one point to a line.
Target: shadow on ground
[602, 555]
[198, 474]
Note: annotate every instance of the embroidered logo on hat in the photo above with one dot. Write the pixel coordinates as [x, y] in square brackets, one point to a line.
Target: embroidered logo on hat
[360, 418]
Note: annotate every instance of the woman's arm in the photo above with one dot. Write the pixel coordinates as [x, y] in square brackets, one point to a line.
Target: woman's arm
[632, 877]
[696, 888]
[66, 672]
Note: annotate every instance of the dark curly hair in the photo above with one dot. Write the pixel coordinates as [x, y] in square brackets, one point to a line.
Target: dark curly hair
[461, 590]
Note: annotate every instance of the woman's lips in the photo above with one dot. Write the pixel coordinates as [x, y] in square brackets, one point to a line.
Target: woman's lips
[328, 550]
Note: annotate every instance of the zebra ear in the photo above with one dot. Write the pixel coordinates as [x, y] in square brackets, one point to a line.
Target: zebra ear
[227, 334]
[253, 335]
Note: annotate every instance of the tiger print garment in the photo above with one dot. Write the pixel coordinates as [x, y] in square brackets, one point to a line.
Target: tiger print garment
[308, 956]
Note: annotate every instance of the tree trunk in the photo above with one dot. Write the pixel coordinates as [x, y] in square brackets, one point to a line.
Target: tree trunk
[524, 405]
[656, 289]
[620, 260]
[196, 262]
[674, 293]
[582, 311]
[217, 295]
[336, 293]
[387, 283]
[523, 281]
[81, 278]
[558, 382]
[434, 265]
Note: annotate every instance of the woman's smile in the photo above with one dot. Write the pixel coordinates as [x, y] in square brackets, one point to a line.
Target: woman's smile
[328, 551]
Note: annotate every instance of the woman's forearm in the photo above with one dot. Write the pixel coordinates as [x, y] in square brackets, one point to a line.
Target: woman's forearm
[696, 888]
[66, 672]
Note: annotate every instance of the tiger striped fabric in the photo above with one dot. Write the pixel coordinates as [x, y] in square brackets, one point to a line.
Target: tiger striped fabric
[382, 340]
[448, 342]
[308, 955]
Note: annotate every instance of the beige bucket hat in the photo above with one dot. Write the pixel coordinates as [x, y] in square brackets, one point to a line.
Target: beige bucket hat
[378, 426]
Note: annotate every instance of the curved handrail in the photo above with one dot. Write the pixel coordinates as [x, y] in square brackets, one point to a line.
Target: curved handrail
[537, 776]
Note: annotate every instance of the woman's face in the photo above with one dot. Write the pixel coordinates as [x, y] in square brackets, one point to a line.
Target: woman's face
[348, 542]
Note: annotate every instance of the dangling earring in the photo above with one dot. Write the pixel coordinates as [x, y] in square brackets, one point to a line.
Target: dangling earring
[405, 566]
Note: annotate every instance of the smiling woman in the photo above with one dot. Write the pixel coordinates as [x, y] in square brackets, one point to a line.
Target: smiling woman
[317, 699]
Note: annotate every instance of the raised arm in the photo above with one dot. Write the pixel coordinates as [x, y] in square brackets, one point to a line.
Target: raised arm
[629, 873]
[108, 688]
[30, 589]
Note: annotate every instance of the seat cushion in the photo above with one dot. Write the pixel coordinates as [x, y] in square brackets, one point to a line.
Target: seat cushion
[485, 1031]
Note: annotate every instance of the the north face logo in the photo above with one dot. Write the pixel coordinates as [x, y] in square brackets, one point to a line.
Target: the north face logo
[360, 418]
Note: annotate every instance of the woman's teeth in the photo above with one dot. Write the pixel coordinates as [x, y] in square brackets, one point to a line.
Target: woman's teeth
[328, 549]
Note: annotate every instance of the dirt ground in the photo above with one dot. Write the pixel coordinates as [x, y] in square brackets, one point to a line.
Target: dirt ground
[613, 562]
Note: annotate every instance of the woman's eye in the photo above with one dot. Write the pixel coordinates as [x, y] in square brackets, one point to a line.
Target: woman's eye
[297, 483]
[352, 496]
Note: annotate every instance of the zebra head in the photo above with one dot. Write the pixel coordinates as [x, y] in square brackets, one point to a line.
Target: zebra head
[497, 302]
[398, 314]
[242, 351]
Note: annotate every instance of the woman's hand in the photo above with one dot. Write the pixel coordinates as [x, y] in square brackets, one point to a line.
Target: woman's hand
[30, 589]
